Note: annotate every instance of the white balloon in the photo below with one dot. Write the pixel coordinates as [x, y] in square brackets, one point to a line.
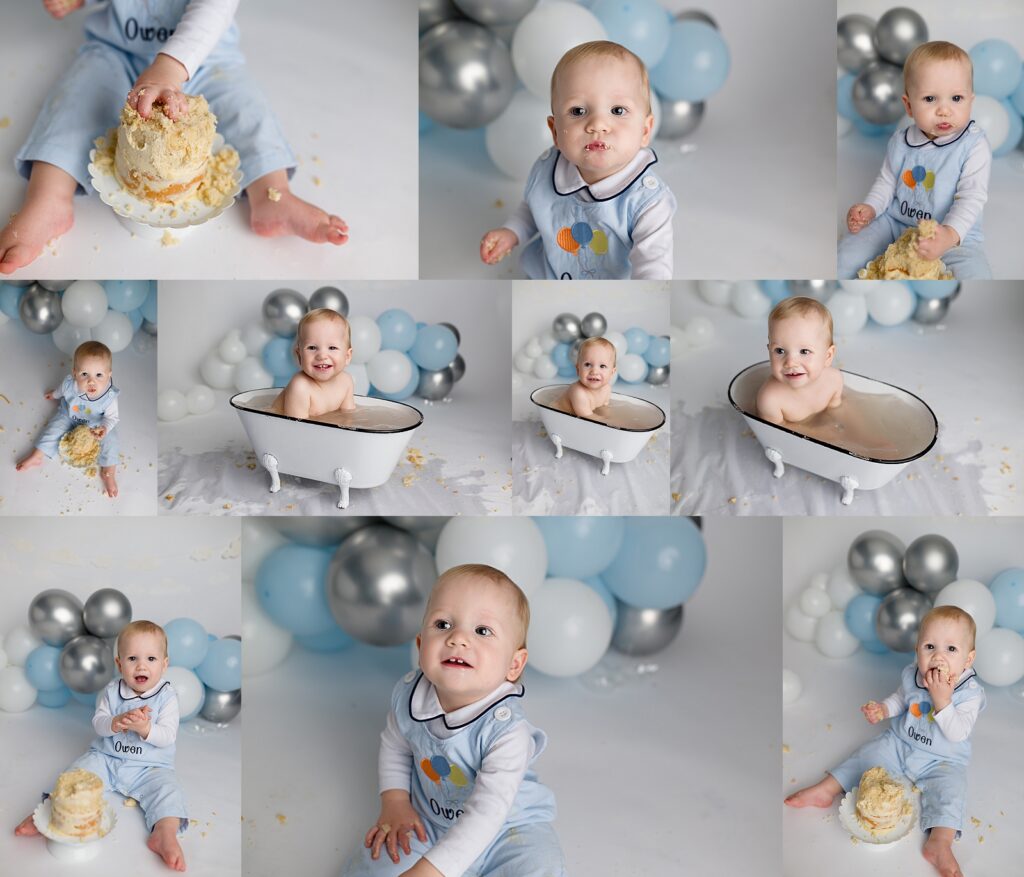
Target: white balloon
[67, 337]
[16, 692]
[849, 312]
[115, 330]
[513, 545]
[791, 686]
[715, 292]
[533, 348]
[833, 638]
[679, 342]
[570, 627]
[815, 602]
[544, 367]
[891, 303]
[619, 342]
[266, 644]
[860, 287]
[232, 349]
[360, 378]
[841, 587]
[544, 35]
[171, 405]
[19, 643]
[365, 338]
[999, 657]
[189, 689]
[519, 134]
[992, 118]
[632, 368]
[517, 383]
[819, 580]
[200, 399]
[259, 538]
[251, 375]
[974, 598]
[216, 373]
[254, 337]
[799, 625]
[748, 300]
[523, 362]
[84, 303]
[389, 370]
[548, 342]
[698, 332]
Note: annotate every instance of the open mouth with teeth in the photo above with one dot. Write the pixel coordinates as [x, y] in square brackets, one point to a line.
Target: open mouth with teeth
[597, 146]
[141, 680]
[323, 366]
[459, 663]
[794, 375]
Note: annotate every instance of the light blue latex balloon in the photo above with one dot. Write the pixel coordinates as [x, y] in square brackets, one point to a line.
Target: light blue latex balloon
[434, 348]
[212, 637]
[282, 380]
[659, 351]
[136, 318]
[776, 290]
[56, 698]
[42, 668]
[934, 288]
[89, 699]
[860, 615]
[1017, 98]
[1008, 590]
[997, 68]
[279, 355]
[876, 646]
[126, 295]
[426, 123]
[187, 642]
[397, 330]
[560, 356]
[579, 547]
[1012, 140]
[637, 340]
[221, 669]
[406, 391]
[332, 641]
[291, 586]
[603, 591]
[10, 298]
[870, 130]
[695, 64]
[660, 564]
[149, 306]
[642, 26]
[568, 371]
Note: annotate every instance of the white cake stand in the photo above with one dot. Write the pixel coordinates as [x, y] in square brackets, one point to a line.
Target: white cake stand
[73, 849]
[151, 221]
[848, 819]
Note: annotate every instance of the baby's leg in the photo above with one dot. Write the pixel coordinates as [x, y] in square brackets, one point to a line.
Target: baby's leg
[289, 214]
[91, 761]
[883, 750]
[162, 802]
[109, 447]
[359, 864]
[48, 441]
[943, 788]
[526, 851]
[821, 794]
[45, 214]
[163, 841]
[938, 850]
[968, 262]
[856, 250]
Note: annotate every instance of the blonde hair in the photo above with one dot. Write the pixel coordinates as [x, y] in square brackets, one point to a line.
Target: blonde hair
[949, 613]
[602, 49]
[134, 627]
[318, 315]
[495, 576]
[801, 306]
[96, 349]
[600, 342]
[931, 53]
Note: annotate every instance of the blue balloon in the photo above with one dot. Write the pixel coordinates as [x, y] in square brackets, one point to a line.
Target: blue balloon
[597, 583]
[187, 642]
[149, 306]
[406, 391]
[776, 290]
[221, 669]
[695, 64]
[332, 641]
[212, 637]
[875, 646]
[642, 26]
[582, 233]
[1013, 138]
[860, 615]
[279, 355]
[42, 668]
[997, 68]
[56, 698]
[1008, 590]
[426, 123]
[918, 172]
[660, 564]
[659, 351]
[136, 318]
[282, 380]
[568, 371]
[10, 298]
[291, 586]
[1017, 98]
[934, 288]
[126, 295]
[579, 547]
[397, 330]
[636, 340]
[88, 698]
[420, 324]
[561, 357]
[869, 129]
[844, 97]
[434, 347]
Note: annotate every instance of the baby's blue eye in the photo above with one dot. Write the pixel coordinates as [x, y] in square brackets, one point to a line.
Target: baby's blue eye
[484, 631]
[441, 624]
[619, 111]
[577, 111]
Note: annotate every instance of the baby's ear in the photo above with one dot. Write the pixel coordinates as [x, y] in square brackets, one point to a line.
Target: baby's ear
[553, 130]
[648, 128]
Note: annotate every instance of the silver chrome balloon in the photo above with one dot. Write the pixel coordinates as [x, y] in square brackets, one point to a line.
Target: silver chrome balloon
[378, 583]
[567, 328]
[321, 530]
[55, 285]
[645, 631]
[40, 310]
[898, 32]
[435, 11]
[221, 706]
[574, 351]
[435, 385]
[657, 375]
[329, 297]
[679, 118]
[415, 523]
[86, 664]
[929, 311]
[106, 612]
[466, 75]
[55, 616]
[855, 42]
[455, 332]
[233, 636]
[930, 563]
[820, 290]
[899, 618]
[876, 561]
[282, 310]
[878, 93]
[696, 15]
[593, 325]
[494, 12]
[457, 367]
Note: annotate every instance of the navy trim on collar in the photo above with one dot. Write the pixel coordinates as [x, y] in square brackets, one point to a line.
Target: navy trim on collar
[906, 131]
[621, 191]
[85, 396]
[441, 715]
[139, 696]
[917, 673]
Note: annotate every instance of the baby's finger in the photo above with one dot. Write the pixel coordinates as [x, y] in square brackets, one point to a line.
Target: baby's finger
[421, 832]
[392, 845]
[378, 842]
[144, 100]
[403, 839]
[368, 840]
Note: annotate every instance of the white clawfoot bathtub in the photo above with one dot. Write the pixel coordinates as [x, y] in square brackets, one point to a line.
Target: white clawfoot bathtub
[851, 470]
[350, 455]
[611, 444]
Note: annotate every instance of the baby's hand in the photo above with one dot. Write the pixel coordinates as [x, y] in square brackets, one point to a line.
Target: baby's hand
[858, 216]
[98, 431]
[397, 818]
[160, 83]
[50, 394]
[60, 8]
[874, 712]
[939, 683]
[945, 238]
[497, 244]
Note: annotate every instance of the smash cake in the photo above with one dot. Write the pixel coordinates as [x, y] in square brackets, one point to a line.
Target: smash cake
[79, 447]
[900, 260]
[76, 803]
[881, 801]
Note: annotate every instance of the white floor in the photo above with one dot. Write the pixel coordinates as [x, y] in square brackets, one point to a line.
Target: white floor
[344, 88]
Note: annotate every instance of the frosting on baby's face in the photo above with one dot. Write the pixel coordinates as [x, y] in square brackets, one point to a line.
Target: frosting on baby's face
[799, 350]
[945, 643]
[323, 349]
[92, 375]
[142, 661]
[939, 98]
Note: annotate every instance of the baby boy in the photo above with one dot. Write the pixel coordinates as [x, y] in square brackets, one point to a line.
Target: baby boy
[600, 211]
[933, 713]
[87, 396]
[936, 168]
[458, 791]
[323, 349]
[595, 367]
[803, 381]
[136, 719]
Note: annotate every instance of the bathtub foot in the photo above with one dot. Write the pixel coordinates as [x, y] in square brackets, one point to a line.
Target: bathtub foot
[557, 439]
[344, 479]
[269, 462]
[606, 459]
[849, 486]
[776, 458]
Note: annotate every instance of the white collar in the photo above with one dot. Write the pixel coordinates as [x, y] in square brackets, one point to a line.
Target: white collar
[425, 705]
[916, 137]
[132, 693]
[568, 179]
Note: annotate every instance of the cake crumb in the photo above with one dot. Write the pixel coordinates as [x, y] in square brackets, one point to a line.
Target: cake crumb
[981, 838]
[130, 802]
[676, 497]
[732, 500]
[282, 819]
[168, 239]
[854, 840]
[5, 122]
[498, 203]
[785, 747]
[273, 194]
[975, 821]
[316, 181]
[192, 822]
[226, 505]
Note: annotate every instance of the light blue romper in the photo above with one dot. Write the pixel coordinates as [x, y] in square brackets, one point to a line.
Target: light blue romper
[443, 776]
[584, 240]
[910, 204]
[130, 766]
[915, 747]
[121, 42]
[77, 408]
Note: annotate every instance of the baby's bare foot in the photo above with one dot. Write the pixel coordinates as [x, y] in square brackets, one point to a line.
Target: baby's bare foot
[36, 458]
[938, 850]
[108, 475]
[46, 214]
[820, 795]
[164, 842]
[26, 828]
[290, 215]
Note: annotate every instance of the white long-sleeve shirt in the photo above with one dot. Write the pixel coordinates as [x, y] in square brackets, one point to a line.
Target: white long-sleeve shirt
[201, 26]
[956, 721]
[163, 727]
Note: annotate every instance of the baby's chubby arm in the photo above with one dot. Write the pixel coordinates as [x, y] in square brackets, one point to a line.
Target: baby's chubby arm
[160, 82]
[859, 216]
[348, 402]
[497, 244]
[295, 399]
[769, 406]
